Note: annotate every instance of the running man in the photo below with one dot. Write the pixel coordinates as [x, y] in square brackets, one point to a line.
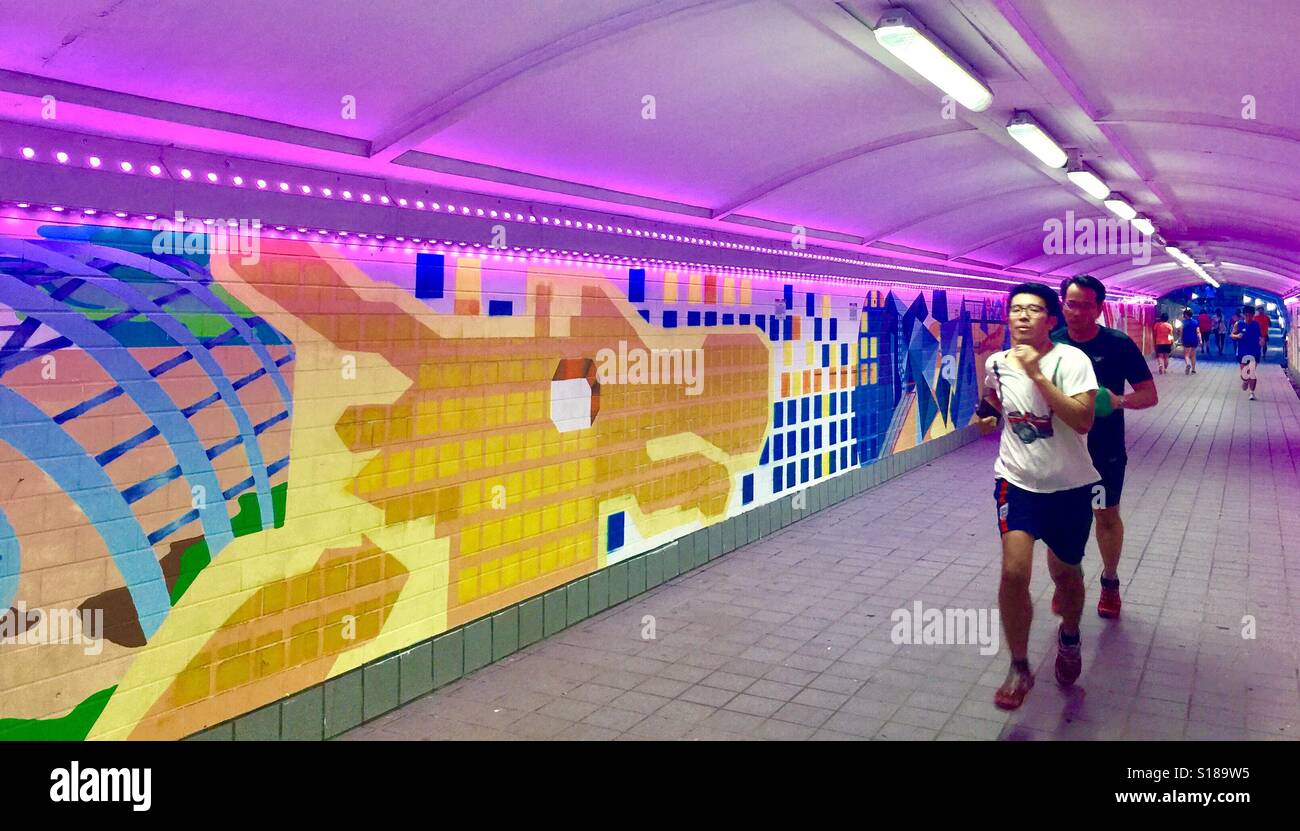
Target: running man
[1116, 359]
[1164, 332]
[1249, 344]
[1044, 476]
[1191, 340]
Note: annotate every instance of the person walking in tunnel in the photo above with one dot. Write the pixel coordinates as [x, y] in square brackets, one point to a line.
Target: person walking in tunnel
[1220, 332]
[1206, 324]
[1261, 320]
[1116, 360]
[1164, 338]
[1191, 338]
[1044, 476]
[1245, 333]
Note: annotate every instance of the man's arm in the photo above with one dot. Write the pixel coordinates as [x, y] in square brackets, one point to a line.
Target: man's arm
[1139, 377]
[1076, 411]
[1143, 395]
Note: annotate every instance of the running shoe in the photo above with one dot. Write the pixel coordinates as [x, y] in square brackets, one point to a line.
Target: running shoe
[1069, 661]
[1108, 604]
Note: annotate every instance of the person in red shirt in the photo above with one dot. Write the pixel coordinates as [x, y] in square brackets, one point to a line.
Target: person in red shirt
[1262, 319]
[1164, 332]
[1204, 323]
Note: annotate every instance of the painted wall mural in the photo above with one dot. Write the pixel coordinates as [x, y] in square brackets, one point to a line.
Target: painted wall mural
[251, 477]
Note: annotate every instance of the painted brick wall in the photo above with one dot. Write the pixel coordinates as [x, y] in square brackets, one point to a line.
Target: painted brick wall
[262, 475]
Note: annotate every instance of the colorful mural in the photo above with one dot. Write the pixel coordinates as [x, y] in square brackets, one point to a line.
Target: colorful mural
[251, 477]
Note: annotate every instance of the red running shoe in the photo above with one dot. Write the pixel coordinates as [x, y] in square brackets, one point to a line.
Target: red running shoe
[1013, 690]
[1109, 603]
[1069, 661]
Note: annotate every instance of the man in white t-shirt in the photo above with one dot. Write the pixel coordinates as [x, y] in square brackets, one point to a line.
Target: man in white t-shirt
[1045, 477]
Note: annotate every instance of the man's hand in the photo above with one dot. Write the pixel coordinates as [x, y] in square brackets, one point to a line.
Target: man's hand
[1028, 358]
[987, 425]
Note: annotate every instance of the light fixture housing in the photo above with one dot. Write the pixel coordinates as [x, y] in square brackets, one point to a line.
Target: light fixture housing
[1030, 135]
[1090, 183]
[906, 39]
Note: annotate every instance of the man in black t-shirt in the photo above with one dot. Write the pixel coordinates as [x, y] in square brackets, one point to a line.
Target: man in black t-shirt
[1115, 360]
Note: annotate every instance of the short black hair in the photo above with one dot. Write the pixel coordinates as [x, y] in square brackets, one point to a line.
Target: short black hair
[1084, 281]
[1044, 293]
[1248, 310]
[1187, 312]
[1164, 317]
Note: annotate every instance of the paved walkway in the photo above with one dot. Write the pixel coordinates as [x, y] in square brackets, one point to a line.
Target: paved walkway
[789, 637]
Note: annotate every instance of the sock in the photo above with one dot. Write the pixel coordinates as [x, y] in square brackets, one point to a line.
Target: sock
[1021, 666]
[1069, 640]
[1109, 582]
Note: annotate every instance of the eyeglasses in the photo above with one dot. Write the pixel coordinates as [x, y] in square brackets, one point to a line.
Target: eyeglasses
[1030, 309]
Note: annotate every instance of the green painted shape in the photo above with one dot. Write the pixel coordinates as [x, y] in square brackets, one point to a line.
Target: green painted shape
[73, 727]
[279, 500]
[249, 519]
[193, 560]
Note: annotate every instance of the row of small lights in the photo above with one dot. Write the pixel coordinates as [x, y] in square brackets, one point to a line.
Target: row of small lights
[544, 255]
[95, 162]
[29, 153]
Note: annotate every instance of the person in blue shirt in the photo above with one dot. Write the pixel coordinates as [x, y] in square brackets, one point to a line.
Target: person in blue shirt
[1246, 334]
[1191, 338]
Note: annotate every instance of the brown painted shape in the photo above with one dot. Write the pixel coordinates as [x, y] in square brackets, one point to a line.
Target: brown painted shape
[284, 638]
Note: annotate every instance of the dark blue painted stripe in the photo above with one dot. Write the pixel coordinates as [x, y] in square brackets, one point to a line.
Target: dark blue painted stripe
[17, 359]
[170, 364]
[127, 446]
[87, 405]
[236, 490]
[200, 404]
[270, 422]
[172, 527]
[217, 449]
[143, 488]
[286, 359]
[277, 466]
[248, 379]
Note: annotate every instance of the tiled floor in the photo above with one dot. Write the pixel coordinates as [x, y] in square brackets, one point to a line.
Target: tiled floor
[789, 638]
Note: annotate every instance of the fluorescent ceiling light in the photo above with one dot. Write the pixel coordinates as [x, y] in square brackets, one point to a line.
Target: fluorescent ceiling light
[1144, 225]
[1119, 206]
[1272, 307]
[1027, 132]
[1088, 182]
[910, 42]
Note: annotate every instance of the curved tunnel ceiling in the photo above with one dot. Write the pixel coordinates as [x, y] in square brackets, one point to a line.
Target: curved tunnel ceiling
[781, 111]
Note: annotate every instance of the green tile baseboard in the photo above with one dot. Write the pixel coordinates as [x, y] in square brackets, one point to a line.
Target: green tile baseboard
[335, 706]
